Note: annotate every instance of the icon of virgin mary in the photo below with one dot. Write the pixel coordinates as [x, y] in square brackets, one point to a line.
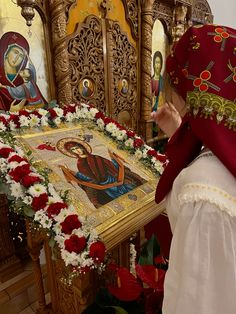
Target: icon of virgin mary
[102, 179]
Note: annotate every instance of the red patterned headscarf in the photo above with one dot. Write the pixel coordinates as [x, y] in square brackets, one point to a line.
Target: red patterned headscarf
[202, 69]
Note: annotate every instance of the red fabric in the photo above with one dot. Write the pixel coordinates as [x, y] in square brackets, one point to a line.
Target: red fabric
[192, 68]
[96, 167]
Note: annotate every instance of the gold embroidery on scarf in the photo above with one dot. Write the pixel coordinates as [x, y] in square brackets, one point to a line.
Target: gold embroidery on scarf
[211, 106]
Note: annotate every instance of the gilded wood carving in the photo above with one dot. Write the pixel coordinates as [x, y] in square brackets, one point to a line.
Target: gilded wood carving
[123, 73]
[86, 63]
[131, 10]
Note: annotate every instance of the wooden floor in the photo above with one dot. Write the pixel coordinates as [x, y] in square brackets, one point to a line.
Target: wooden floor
[18, 295]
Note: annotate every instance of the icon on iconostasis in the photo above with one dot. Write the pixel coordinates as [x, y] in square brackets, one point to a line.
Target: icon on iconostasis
[86, 88]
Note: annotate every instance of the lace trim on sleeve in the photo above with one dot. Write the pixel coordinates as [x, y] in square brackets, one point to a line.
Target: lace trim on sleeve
[195, 192]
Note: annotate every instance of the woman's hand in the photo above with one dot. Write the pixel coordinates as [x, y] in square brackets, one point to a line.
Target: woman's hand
[167, 118]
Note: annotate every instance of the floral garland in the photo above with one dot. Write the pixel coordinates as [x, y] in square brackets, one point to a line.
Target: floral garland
[79, 244]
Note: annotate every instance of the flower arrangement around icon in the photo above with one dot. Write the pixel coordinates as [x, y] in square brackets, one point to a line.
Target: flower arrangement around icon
[34, 196]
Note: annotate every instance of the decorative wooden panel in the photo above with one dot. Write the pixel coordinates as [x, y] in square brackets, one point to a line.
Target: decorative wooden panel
[86, 61]
[122, 65]
[201, 12]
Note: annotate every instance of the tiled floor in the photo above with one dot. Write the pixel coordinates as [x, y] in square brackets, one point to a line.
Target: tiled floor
[18, 295]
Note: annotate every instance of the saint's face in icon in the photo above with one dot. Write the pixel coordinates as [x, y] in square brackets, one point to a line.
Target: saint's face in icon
[87, 90]
[124, 87]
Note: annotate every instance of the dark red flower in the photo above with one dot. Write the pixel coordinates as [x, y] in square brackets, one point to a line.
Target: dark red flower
[161, 158]
[16, 158]
[15, 118]
[68, 109]
[3, 120]
[152, 152]
[53, 113]
[55, 208]
[97, 251]
[151, 275]
[128, 288]
[121, 127]
[107, 120]
[5, 151]
[39, 202]
[70, 223]
[29, 180]
[138, 142]
[75, 244]
[130, 133]
[19, 172]
[99, 115]
[24, 112]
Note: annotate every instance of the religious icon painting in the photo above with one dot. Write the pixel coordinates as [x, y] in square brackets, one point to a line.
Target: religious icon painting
[160, 48]
[23, 70]
[123, 86]
[103, 180]
[86, 87]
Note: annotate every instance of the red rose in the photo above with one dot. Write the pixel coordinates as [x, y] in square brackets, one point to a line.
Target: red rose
[75, 244]
[121, 127]
[70, 223]
[16, 158]
[68, 109]
[19, 172]
[161, 158]
[15, 119]
[29, 180]
[138, 142]
[152, 152]
[53, 113]
[5, 152]
[107, 120]
[24, 112]
[97, 251]
[130, 133]
[99, 115]
[3, 120]
[39, 202]
[55, 208]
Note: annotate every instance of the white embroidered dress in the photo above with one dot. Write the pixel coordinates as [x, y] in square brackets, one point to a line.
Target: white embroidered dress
[201, 278]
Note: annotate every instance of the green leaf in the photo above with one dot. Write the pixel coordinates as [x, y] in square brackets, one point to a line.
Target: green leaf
[51, 242]
[52, 104]
[4, 188]
[28, 211]
[119, 310]
[149, 251]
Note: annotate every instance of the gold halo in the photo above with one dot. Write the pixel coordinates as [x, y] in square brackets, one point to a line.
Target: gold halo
[61, 146]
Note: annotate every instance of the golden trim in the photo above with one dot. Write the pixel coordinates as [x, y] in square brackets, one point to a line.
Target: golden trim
[211, 106]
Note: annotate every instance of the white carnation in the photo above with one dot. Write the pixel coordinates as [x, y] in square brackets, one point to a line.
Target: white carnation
[24, 121]
[37, 189]
[17, 190]
[2, 126]
[34, 120]
[138, 154]
[129, 143]
[59, 111]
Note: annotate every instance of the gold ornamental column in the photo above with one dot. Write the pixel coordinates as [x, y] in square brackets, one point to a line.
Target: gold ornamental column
[145, 125]
[59, 10]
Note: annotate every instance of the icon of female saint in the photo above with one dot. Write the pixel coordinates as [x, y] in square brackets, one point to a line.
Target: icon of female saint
[102, 179]
[18, 86]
